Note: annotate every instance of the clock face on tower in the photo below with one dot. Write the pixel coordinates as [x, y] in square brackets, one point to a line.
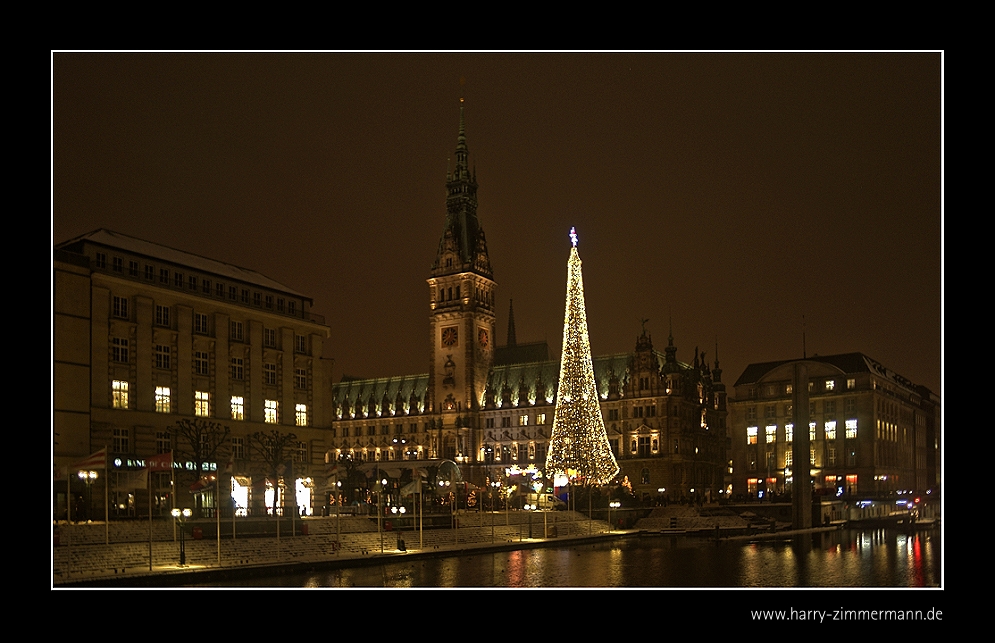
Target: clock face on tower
[449, 336]
[483, 338]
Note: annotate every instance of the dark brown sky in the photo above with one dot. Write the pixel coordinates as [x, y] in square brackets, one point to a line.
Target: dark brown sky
[735, 194]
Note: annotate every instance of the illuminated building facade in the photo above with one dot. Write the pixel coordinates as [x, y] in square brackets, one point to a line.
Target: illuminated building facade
[871, 430]
[490, 408]
[145, 336]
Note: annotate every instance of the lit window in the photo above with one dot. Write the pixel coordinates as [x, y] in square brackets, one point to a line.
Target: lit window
[200, 363]
[540, 418]
[162, 315]
[830, 430]
[237, 368]
[789, 432]
[851, 384]
[237, 407]
[770, 433]
[830, 385]
[851, 429]
[789, 389]
[162, 354]
[523, 420]
[119, 349]
[300, 378]
[787, 458]
[272, 409]
[269, 374]
[162, 399]
[300, 412]
[121, 307]
[202, 403]
[751, 435]
[811, 430]
[119, 389]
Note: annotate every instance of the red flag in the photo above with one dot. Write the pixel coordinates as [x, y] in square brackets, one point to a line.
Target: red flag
[161, 462]
[97, 460]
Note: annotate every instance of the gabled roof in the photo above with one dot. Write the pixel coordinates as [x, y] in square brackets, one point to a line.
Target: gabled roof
[141, 247]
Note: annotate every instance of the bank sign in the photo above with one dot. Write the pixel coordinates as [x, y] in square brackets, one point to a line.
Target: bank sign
[134, 463]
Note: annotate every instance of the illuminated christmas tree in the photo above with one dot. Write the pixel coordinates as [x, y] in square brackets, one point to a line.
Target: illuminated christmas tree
[579, 444]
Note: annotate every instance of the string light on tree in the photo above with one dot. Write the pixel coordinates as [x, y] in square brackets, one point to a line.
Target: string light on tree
[579, 446]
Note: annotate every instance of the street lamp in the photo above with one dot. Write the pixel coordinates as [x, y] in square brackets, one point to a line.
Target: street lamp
[614, 504]
[399, 512]
[88, 477]
[181, 516]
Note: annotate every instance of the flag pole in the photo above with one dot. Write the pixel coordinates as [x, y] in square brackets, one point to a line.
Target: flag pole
[107, 484]
[217, 512]
[148, 485]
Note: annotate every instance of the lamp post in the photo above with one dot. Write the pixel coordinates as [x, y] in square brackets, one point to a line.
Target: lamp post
[399, 512]
[181, 516]
[88, 478]
[614, 504]
[495, 485]
[379, 489]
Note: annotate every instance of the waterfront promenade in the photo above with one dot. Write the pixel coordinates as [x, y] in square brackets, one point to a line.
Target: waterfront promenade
[83, 558]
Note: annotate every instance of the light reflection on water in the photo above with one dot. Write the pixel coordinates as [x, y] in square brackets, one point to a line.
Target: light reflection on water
[878, 558]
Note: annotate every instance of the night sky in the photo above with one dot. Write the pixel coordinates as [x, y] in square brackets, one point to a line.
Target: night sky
[768, 203]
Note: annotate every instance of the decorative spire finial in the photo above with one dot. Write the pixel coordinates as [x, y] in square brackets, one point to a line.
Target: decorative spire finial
[573, 236]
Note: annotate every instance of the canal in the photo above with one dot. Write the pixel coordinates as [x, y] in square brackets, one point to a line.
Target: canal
[876, 558]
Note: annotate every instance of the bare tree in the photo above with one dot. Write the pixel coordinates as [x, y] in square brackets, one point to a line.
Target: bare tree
[200, 442]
